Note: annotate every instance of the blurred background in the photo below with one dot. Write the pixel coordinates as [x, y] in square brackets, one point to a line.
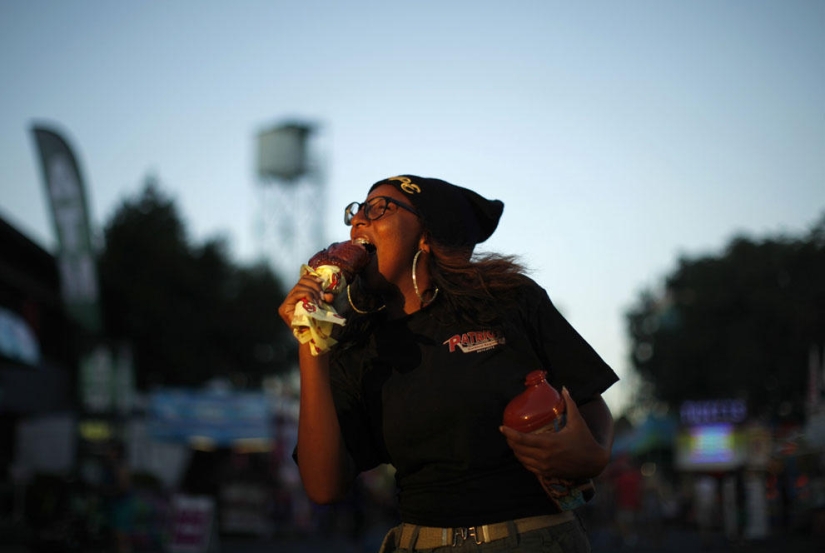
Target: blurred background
[165, 168]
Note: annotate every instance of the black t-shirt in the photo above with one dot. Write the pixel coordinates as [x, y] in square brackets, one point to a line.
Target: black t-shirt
[428, 397]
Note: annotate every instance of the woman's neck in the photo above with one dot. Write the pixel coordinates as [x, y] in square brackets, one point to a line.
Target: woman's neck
[402, 304]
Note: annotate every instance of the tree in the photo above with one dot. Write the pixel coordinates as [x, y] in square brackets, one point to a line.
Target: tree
[737, 325]
[188, 312]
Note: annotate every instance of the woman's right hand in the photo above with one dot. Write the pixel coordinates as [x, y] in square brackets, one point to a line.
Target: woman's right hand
[309, 287]
[327, 471]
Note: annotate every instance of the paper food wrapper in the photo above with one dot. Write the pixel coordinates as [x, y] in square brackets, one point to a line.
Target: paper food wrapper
[313, 322]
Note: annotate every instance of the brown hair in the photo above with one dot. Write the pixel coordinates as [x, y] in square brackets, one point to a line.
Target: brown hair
[475, 288]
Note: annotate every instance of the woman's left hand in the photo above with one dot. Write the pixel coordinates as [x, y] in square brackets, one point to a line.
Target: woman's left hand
[573, 452]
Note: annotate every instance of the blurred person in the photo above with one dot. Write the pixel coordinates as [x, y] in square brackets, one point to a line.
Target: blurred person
[627, 489]
[705, 506]
[437, 341]
[119, 497]
[653, 508]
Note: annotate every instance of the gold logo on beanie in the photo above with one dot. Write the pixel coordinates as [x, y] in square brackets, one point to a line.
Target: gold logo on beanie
[407, 185]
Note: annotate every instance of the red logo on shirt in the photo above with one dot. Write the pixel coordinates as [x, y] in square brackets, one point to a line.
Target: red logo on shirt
[480, 340]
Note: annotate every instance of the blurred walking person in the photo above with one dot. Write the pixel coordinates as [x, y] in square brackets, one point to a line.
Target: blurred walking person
[628, 493]
[705, 491]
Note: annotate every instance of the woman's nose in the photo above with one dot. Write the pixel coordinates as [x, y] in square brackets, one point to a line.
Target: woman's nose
[359, 218]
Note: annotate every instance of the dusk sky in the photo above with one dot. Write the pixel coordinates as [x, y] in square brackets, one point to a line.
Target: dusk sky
[619, 135]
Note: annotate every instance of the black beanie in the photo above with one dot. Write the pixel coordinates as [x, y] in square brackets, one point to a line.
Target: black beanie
[453, 215]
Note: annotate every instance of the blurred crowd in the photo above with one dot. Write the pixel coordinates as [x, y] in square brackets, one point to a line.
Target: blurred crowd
[642, 504]
[226, 494]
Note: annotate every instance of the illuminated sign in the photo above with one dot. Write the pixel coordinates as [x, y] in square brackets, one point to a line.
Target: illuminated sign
[712, 444]
[714, 411]
[718, 446]
[94, 430]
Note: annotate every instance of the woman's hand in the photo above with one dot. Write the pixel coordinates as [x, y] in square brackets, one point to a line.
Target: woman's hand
[573, 452]
[326, 468]
[310, 288]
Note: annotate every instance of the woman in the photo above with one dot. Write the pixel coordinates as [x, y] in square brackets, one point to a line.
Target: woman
[436, 343]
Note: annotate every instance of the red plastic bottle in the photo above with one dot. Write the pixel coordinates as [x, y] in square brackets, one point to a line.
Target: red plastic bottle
[541, 408]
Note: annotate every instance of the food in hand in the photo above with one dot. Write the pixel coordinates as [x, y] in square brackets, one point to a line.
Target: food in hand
[349, 257]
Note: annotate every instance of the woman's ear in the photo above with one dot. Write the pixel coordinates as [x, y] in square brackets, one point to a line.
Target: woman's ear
[424, 243]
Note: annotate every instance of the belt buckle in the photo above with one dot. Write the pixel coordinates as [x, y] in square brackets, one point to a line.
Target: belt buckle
[464, 534]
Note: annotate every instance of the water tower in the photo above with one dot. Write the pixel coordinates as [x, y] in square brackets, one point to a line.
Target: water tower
[291, 198]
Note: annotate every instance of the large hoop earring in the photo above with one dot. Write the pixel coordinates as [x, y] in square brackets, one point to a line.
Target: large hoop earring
[361, 311]
[424, 303]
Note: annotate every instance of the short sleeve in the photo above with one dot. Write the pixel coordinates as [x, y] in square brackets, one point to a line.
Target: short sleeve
[569, 360]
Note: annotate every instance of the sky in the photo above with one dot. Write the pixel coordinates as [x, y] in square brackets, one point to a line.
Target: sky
[621, 136]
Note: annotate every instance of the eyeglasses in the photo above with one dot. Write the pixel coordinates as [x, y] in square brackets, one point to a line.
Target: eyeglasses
[373, 209]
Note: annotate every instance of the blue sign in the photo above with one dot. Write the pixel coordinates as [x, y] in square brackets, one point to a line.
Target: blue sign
[219, 417]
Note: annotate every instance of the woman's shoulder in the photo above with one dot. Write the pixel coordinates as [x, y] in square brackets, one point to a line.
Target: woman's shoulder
[529, 291]
[531, 303]
[531, 285]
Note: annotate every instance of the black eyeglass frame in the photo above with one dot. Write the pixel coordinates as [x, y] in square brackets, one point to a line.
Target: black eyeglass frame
[355, 207]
